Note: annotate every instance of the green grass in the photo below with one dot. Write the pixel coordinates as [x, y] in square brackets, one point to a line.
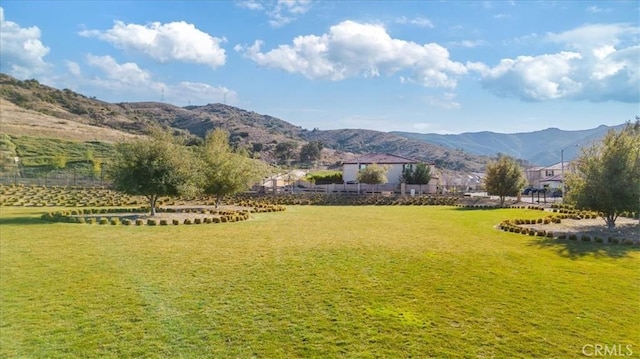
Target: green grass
[368, 281]
[36, 151]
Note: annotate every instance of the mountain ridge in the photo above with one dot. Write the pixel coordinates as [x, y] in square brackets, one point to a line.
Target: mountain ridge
[541, 147]
[32, 109]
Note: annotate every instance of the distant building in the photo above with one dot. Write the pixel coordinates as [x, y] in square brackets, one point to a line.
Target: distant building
[395, 166]
[549, 177]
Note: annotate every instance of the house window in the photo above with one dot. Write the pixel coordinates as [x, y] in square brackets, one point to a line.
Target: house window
[362, 166]
[548, 173]
[407, 167]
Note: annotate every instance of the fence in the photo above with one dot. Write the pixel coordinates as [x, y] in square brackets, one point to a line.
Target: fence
[39, 177]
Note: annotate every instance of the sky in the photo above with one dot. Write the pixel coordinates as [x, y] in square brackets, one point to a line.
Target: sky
[415, 66]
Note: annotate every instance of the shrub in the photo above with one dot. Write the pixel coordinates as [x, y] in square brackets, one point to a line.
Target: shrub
[103, 221]
[126, 221]
[207, 220]
[114, 221]
[573, 237]
[176, 222]
[139, 222]
[197, 221]
[585, 238]
[152, 222]
[164, 222]
[187, 221]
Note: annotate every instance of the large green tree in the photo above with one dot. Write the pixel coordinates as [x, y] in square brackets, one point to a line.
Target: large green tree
[372, 174]
[311, 152]
[503, 178]
[154, 166]
[285, 151]
[420, 174]
[606, 176]
[225, 171]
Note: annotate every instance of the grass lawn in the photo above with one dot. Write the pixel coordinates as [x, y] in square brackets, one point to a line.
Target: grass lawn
[397, 281]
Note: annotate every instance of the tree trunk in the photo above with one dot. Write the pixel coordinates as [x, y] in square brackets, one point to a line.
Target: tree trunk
[611, 221]
[501, 201]
[218, 201]
[152, 204]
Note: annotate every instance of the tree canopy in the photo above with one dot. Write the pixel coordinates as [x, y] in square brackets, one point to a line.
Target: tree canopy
[420, 174]
[606, 176]
[311, 152]
[153, 166]
[224, 171]
[372, 174]
[504, 178]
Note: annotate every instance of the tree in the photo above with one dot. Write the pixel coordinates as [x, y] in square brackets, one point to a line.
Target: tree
[224, 171]
[504, 178]
[420, 174]
[284, 151]
[153, 166]
[606, 176]
[373, 174]
[311, 152]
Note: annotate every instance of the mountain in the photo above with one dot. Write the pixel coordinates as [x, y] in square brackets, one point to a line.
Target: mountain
[364, 141]
[543, 147]
[35, 110]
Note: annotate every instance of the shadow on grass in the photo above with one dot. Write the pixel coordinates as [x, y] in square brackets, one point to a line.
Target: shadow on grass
[21, 220]
[577, 249]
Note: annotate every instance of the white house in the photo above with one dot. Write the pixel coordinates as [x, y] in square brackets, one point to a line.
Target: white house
[395, 166]
[549, 177]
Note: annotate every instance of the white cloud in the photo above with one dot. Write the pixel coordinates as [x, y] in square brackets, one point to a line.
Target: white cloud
[417, 21]
[21, 51]
[446, 101]
[280, 12]
[129, 80]
[352, 49]
[179, 41]
[602, 65]
[250, 4]
[467, 43]
[596, 9]
[74, 68]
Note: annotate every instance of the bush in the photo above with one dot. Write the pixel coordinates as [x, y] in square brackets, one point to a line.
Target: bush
[197, 221]
[573, 237]
[585, 238]
[164, 222]
[176, 222]
[151, 222]
[103, 221]
[114, 221]
[187, 221]
[126, 221]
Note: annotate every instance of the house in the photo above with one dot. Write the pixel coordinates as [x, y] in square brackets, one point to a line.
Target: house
[549, 177]
[395, 166]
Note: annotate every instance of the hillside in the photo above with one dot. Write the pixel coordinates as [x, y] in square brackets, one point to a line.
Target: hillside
[28, 108]
[539, 147]
[362, 141]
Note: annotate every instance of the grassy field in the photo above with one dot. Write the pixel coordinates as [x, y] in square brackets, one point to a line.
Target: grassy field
[400, 281]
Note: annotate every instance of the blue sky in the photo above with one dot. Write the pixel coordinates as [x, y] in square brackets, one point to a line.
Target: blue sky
[417, 66]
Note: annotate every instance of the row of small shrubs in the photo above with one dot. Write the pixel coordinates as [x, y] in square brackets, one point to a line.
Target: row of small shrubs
[66, 217]
[515, 226]
[339, 199]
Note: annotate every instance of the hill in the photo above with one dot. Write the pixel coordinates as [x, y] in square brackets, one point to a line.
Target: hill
[31, 109]
[538, 147]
